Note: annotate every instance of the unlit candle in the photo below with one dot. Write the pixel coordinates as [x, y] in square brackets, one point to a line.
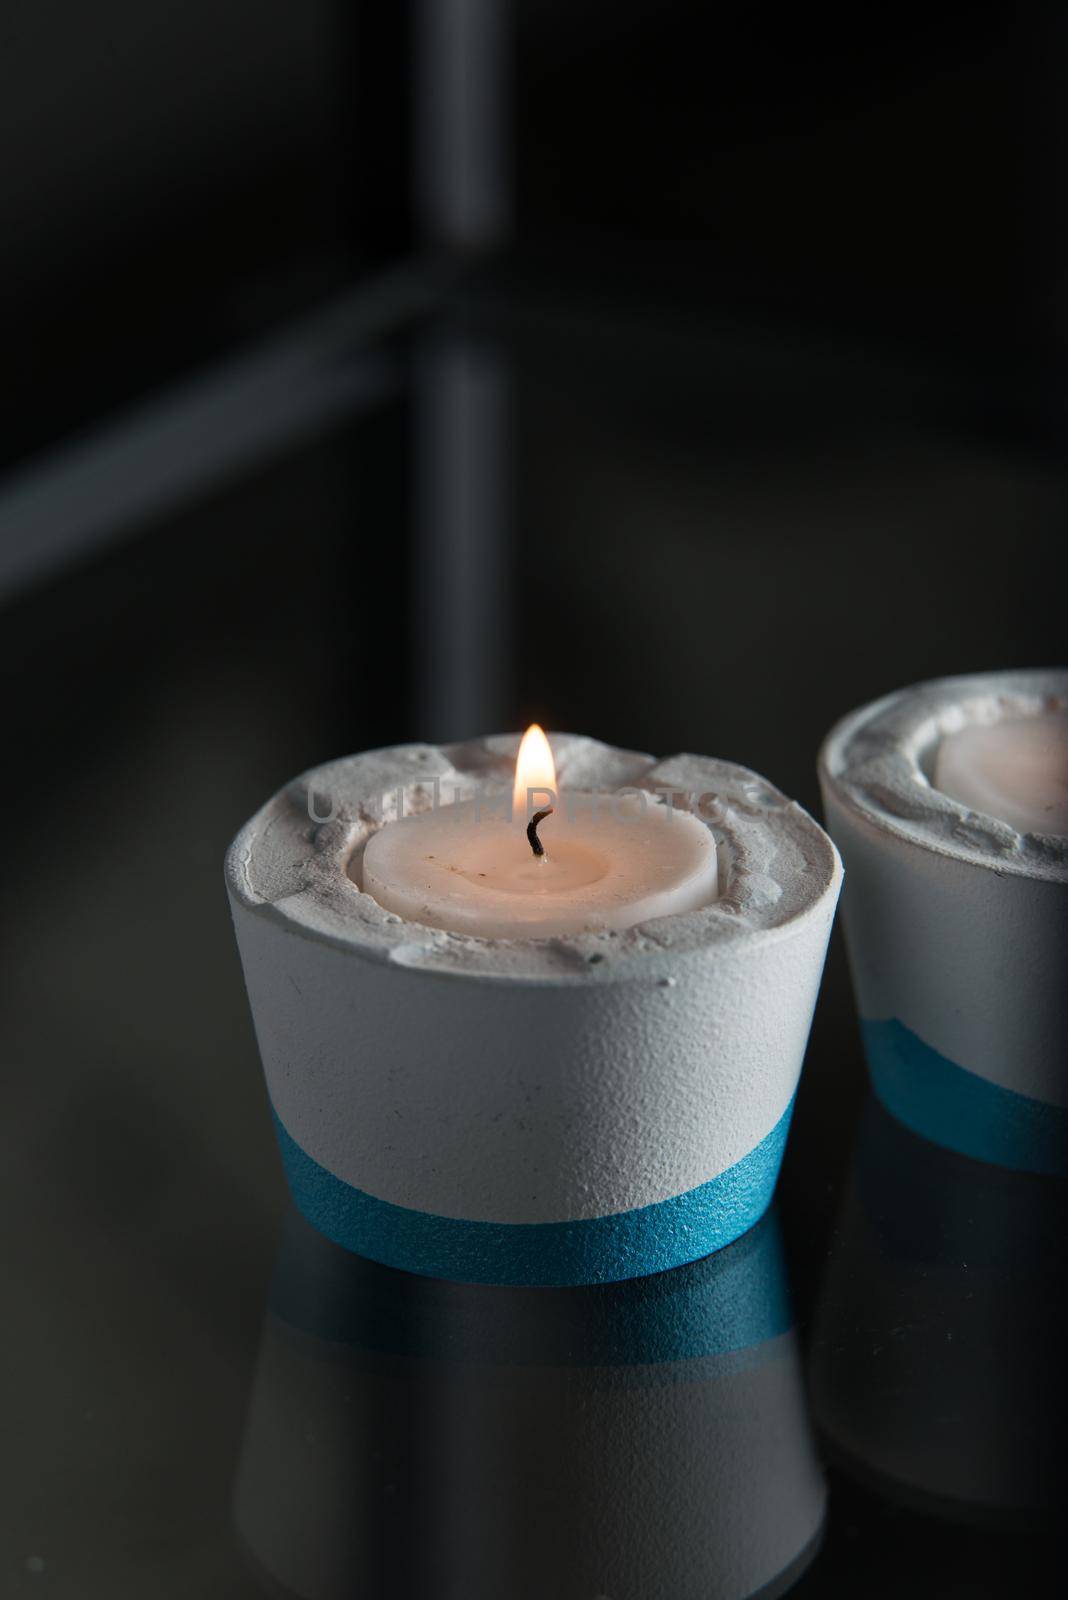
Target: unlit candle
[1015, 770]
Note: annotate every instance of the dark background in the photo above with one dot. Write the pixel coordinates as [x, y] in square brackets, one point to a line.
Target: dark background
[374, 373]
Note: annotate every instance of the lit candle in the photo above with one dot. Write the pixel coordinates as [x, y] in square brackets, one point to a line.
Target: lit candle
[1015, 770]
[557, 864]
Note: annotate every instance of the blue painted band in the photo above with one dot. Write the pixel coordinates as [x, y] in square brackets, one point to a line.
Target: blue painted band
[953, 1107]
[629, 1244]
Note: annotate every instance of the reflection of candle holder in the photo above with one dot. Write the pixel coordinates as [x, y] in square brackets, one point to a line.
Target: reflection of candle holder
[957, 927]
[562, 1110]
[409, 1437]
[938, 1366]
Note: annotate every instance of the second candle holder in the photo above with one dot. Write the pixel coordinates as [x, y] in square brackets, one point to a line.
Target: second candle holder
[956, 924]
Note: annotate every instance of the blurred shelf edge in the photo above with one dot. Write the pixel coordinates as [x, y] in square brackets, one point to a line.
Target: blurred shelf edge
[171, 449]
[337, 362]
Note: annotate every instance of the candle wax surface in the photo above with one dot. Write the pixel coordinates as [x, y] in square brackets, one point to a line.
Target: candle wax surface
[1015, 770]
[608, 863]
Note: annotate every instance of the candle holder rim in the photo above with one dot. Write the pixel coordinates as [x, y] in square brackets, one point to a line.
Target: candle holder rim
[874, 760]
[762, 832]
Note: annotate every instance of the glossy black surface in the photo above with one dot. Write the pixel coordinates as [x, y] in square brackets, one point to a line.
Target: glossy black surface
[710, 537]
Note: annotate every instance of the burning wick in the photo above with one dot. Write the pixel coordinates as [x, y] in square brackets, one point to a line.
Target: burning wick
[532, 831]
[535, 773]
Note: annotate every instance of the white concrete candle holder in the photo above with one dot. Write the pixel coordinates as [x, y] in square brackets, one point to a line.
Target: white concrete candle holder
[957, 927]
[541, 1111]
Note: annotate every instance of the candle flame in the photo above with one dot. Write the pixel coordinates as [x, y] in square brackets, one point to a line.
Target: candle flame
[534, 769]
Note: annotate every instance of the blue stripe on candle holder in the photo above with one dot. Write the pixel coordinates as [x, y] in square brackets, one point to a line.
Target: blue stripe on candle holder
[628, 1244]
[945, 1103]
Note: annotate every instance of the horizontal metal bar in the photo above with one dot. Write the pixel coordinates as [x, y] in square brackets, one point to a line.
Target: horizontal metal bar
[148, 461]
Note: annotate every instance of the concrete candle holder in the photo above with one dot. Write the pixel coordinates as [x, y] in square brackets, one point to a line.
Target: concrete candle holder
[957, 927]
[648, 1438]
[529, 1111]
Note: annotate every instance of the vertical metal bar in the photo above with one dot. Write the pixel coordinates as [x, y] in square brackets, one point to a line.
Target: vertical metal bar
[462, 508]
[462, 156]
[462, 148]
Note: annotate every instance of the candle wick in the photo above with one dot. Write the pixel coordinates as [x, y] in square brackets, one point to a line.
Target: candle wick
[532, 830]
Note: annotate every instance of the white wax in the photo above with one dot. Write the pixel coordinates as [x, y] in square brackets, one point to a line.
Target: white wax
[1015, 770]
[609, 862]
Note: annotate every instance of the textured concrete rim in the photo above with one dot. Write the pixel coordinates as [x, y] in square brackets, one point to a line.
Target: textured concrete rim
[875, 763]
[782, 870]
